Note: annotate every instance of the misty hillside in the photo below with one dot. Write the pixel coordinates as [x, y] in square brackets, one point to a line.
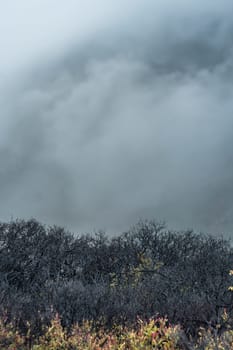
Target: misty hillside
[112, 112]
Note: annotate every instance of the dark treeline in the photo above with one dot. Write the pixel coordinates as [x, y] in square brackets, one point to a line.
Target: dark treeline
[145, 271]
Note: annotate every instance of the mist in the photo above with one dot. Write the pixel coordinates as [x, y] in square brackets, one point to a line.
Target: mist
[111, 113]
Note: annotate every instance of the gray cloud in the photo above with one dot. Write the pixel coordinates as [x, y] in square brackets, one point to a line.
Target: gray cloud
[130, 122]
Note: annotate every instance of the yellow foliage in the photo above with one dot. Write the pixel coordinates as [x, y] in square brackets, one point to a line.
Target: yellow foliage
[155, 334]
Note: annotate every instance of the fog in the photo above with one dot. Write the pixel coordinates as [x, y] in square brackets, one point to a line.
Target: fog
[115, 112]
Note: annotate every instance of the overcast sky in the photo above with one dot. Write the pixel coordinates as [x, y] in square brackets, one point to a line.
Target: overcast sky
[115, 111]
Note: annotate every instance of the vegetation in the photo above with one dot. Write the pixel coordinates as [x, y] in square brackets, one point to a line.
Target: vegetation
[154, 334]
[99, 286]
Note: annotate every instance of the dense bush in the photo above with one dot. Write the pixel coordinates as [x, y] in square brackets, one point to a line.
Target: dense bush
[154, 334]
[143, 272]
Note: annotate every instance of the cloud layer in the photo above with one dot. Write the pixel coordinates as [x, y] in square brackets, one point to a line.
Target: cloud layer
[126, 116]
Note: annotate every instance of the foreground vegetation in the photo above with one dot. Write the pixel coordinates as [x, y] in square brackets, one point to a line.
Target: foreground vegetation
[155, 334]
[111, 282]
